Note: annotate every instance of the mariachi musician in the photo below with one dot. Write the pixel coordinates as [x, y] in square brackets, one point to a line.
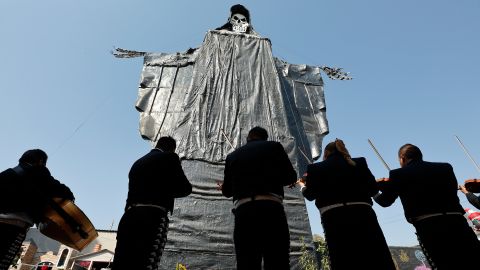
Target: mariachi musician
[342, 188]
[470, 186]
[254, 177]
[428, 192]
[26, 191]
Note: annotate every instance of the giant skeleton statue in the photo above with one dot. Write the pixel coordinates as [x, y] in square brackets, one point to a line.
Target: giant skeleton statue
[208, 99]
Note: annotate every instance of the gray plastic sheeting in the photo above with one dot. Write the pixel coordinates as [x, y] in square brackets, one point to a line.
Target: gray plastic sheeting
[212, 97]
[208, 99]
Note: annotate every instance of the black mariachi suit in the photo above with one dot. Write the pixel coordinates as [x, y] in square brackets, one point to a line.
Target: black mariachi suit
[25, 189]
[427, 188]
[348, 227]
[156, 179]
[261, 228]
[473, 199]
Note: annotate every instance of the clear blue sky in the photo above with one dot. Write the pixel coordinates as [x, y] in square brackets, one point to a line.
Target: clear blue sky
[415, 66]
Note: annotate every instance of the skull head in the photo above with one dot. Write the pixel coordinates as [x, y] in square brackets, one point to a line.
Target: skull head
[239, 23]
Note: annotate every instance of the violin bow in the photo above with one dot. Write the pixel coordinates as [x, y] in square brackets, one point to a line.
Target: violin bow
[467, 153]
[305, 155]
[378, 155]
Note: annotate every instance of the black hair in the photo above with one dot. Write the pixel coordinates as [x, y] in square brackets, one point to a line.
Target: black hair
[257, 134]
[410, 151]
[33, 156]
[167, 143]
[241, 10]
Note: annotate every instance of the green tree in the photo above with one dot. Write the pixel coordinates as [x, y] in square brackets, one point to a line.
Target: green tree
[308, 261]
[322, 251]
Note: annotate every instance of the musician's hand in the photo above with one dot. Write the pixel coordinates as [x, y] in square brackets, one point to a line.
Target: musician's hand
[383, 179]
[301, 182]
[463, 189]
[219, 185]
[382, 183]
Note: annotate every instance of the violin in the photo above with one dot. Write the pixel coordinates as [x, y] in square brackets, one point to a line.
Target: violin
[300, 181]
[472, 185]
[382, 183]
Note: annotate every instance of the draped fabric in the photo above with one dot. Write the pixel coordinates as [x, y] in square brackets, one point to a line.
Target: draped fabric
[208, 99]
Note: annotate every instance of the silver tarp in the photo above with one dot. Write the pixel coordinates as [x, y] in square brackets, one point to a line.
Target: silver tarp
[212, 97]
[208, 99]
